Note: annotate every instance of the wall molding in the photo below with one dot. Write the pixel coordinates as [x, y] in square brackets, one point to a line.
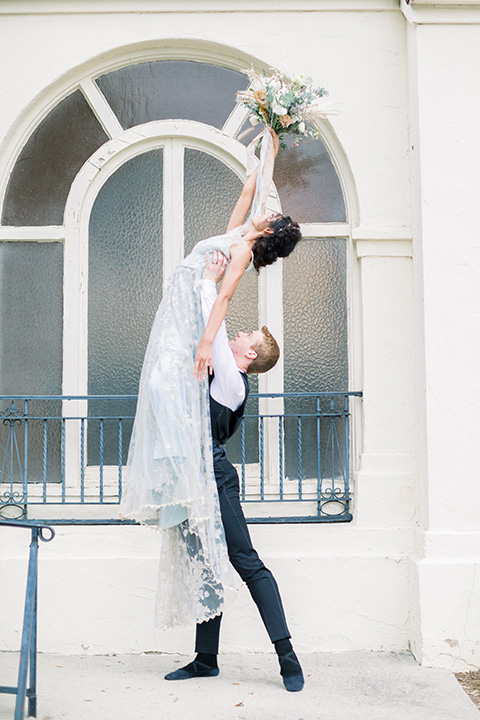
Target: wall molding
[384, 248]
[453, 12]
[158, 7]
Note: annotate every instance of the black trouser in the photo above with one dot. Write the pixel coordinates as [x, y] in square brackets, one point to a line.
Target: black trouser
[245, 560]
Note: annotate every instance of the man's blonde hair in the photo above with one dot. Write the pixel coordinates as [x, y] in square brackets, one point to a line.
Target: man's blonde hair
[267, 351]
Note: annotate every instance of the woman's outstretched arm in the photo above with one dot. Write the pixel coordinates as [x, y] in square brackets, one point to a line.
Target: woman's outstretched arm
[248, 191]
[244, 202]
[240, 257]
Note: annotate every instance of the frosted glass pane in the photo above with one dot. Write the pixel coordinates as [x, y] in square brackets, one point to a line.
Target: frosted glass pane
[49, 162]
[316, 348]
[172, 89]
[306, 180]
[211, 190]
[31, 302]
[31, 306]
[307, 183]
[124, 287]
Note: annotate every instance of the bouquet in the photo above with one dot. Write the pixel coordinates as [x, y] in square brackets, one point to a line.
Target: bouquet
[287, 106]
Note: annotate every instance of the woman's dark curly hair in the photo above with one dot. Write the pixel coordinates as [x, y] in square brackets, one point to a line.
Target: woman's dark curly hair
[286, 234]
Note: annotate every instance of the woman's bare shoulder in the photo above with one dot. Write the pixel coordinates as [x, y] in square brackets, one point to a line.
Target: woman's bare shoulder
[240, 249]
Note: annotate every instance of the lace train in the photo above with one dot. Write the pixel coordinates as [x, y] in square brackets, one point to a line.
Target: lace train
[169, 479]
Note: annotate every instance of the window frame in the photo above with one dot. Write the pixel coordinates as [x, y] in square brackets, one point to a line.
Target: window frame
[124, 145]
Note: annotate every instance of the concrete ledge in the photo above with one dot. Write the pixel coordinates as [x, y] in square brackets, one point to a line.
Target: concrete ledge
[357, 686]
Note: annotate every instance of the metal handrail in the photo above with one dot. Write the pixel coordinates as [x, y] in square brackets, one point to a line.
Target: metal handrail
[28, 649]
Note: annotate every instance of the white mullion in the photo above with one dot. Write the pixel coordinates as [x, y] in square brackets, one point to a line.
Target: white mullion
[75, 346]
[235, 120]
[270, 299]
[172, 206]
[103, 111]
[46, 233]
[324, 230]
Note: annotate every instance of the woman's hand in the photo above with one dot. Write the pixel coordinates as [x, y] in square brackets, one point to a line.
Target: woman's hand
[276, 140]
[203, 359]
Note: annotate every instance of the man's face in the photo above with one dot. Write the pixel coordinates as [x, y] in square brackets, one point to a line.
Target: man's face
[243, 343]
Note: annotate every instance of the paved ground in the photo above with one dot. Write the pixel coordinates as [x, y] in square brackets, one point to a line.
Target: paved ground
[343, 686]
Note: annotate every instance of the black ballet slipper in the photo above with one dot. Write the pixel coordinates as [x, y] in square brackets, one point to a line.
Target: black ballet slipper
[194, 669]
[294, 683]
[291, 672]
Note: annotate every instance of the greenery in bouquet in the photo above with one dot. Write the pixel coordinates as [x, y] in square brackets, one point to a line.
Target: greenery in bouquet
[287, 106]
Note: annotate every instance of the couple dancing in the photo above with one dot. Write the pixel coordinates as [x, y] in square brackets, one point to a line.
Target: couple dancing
[192, 396]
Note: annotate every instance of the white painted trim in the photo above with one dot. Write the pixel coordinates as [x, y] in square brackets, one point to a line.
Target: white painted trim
[72, 7]
[342, 167]
[38, 233]
[270, 299]
[451, 13]
[325, 230]
[103, 112]
[103, 163]
[173, 236]
[384, 248]
[355, 355]
[173, 136]
[451, 3]
[235, 120]
[382, 233]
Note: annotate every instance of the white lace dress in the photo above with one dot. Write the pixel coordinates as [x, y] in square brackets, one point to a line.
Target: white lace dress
[169, 478]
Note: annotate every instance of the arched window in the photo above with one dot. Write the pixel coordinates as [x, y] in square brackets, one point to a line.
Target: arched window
[150, 157]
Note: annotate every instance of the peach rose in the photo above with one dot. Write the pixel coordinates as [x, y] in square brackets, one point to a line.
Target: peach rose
[261, 98]
[285, 120]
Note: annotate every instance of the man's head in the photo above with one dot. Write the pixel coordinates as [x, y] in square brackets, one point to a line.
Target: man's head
[256, 351]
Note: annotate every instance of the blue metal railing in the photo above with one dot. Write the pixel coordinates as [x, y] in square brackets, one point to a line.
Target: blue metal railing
[293, 448]
[28, 648]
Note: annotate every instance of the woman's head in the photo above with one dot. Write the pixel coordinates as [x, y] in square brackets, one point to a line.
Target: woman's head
[281, 236]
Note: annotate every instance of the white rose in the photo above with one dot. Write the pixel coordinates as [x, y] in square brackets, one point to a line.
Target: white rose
[279, 109]
[301, 127]
[275, 85]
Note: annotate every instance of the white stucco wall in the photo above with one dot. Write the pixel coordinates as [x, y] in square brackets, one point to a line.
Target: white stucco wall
[342, 588]
[374, 583]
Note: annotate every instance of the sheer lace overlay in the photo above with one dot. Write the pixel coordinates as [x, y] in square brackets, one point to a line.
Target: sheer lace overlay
[169, 479]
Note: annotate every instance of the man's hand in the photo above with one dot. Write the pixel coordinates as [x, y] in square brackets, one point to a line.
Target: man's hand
[215, 269]
[203, 359]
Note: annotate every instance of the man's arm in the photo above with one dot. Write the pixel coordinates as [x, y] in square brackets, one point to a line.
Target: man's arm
[227, 387]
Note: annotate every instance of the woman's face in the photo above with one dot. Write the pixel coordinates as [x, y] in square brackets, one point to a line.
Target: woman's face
[262, 222]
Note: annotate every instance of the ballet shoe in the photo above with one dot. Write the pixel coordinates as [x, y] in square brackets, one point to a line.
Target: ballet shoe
[291, 672]
[294, 683]
[193, 670]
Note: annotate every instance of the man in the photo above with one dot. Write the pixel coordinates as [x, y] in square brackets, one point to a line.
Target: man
[252, 352]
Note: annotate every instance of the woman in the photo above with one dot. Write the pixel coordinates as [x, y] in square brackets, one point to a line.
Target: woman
[169, 476]
[263, 240]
